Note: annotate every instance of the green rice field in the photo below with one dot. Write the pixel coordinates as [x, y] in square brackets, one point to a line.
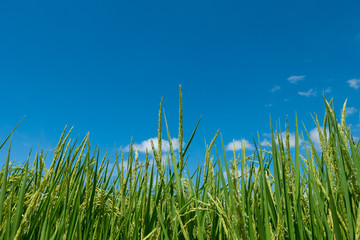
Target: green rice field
[277, 193]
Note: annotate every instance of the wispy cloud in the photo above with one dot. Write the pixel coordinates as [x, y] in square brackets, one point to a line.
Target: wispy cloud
[268, 105]
[350, 111]
[275, 88]
[310, 92]
[328, 90]
[295, 79]
[146, 145]
[248, 145]
[354, 83]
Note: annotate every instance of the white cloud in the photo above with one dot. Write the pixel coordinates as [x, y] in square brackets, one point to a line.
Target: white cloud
[295, 79]
[275, 88]
[146, 145]
[248, 145]
[350, 111]
[265, 143]
[328, 90]
[354, 83]
[291, 139]
[267, 139]
[309, 93]
[314, 135]
[268, 105]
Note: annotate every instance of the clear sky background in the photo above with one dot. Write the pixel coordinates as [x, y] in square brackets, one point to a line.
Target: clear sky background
[103, 66]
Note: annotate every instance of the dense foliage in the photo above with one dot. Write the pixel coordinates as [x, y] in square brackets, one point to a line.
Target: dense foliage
[276, 194]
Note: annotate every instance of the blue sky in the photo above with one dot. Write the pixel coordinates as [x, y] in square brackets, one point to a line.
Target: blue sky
[103, 66]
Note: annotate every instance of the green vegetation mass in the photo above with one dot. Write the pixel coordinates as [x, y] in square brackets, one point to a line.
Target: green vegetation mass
[276, 194]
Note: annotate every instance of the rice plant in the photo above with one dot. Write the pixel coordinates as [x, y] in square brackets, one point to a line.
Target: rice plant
[269, 194]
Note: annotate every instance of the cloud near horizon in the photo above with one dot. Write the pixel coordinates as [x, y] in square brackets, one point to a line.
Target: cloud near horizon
[256, 168]
[314, 135]
[291, 139]
[146, 145]
[267, 140]
[248, 145]
[295, 79]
